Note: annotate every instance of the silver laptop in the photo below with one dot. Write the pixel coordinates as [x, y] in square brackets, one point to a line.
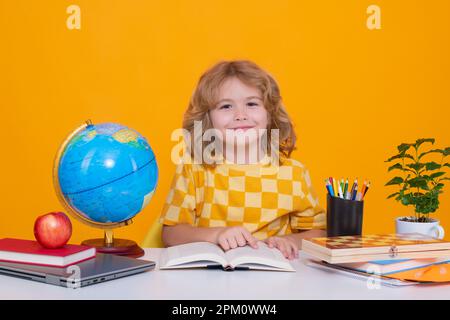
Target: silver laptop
[103, 267]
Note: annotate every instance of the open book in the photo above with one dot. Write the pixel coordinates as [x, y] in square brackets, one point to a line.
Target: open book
[208, 255]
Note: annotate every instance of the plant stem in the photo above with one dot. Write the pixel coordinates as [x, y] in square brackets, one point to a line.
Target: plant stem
[417, 175]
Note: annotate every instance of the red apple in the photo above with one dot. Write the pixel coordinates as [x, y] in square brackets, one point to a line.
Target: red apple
[53, 230]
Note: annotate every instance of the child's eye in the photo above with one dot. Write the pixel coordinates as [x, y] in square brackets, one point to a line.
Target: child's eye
[225, 106]
[252, 104]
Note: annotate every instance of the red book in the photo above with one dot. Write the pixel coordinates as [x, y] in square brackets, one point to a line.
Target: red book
[31, 252]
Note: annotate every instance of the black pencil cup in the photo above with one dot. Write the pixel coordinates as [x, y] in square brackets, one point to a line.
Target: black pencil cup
[344, 217]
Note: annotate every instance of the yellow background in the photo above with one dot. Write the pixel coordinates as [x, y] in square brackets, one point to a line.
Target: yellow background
[354, 94]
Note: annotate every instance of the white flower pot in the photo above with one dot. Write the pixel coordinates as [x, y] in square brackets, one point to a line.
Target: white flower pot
[432, 228]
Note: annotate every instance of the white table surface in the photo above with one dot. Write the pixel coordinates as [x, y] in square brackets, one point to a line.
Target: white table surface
[207, 284]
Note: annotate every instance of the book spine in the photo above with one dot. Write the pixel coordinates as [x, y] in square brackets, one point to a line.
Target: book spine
[45, 265]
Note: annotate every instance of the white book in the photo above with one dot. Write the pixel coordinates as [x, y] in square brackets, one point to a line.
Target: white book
[208, 255]
[386, 267]
[336, 268]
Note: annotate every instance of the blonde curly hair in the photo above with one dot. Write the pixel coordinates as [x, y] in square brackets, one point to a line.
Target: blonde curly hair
[206, 93]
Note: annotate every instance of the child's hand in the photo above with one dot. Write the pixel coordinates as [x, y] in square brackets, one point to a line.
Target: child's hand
[286, 245]
[233, 237]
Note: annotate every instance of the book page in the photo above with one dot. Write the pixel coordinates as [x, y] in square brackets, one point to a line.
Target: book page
[265, 257]
[184, 254]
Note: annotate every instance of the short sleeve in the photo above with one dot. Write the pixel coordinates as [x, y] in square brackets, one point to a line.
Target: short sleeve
[180, 205]
[308, 214]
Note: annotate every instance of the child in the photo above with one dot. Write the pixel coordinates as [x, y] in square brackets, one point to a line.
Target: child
[236, 203]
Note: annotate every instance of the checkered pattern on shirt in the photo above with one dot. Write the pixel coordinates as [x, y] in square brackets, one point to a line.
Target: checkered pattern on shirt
[266, 200]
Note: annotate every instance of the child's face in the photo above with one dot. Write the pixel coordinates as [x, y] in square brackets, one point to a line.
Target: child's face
[240, 108]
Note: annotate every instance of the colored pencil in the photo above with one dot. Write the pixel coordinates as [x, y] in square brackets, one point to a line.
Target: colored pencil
[332, 184]
[340, 192]
[363, 187]
[335, 188]
[329, 188]
[345, 188]
[355, 191]
[359, 196]
[355, 183]
[366, 189]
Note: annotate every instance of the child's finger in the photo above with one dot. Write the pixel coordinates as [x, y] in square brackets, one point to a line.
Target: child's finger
[295, 250]
[267, 242]
[291, 250]
[248, 236]
[241, 240]
[282, 247]
[224, 244]
[232, 242]
[287, 250]
[251, 240]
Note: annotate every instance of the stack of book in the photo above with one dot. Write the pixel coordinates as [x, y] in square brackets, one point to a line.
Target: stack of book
[31, 252]
[404, 257]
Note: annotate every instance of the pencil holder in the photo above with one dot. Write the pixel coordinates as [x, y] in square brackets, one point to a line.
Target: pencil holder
[344, 217]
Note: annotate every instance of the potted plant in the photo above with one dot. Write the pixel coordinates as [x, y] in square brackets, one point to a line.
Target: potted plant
[420, 183]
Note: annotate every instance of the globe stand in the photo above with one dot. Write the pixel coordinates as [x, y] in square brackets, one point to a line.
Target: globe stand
[109, 245]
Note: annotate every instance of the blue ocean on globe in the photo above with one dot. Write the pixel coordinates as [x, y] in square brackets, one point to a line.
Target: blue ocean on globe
[108, 172]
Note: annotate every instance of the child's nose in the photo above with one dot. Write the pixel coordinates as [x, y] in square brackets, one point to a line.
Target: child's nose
[240, 114]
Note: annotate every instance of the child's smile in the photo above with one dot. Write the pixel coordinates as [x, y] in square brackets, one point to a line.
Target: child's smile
[243, 128]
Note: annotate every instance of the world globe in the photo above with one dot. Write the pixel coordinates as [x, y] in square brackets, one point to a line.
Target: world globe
[104, 175]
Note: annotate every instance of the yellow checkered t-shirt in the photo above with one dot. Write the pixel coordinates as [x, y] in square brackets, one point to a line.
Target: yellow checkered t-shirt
[266, 200]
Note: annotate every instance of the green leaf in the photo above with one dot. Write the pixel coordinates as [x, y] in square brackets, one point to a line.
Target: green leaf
[393, 181]
[431, 151]
[432, 165]
[406, 199]
[419, 182]
[446, 178]
[446, 165]
[446, 151]
[420, 141]
[395, 166]
[416, 166]
[399, 156]
[392, 195]
[436, 174]
[404, 147]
